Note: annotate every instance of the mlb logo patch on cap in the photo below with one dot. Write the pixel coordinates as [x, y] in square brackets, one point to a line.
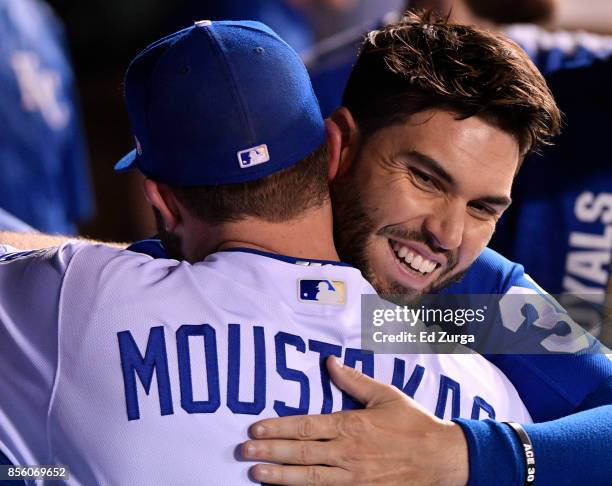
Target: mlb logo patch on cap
[322, 291]
[253, 156]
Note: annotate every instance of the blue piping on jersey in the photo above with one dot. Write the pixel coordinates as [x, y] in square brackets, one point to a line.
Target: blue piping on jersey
[154, 248]
[288, 259]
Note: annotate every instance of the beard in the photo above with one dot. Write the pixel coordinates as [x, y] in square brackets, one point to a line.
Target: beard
[354, 232]
[171, 242]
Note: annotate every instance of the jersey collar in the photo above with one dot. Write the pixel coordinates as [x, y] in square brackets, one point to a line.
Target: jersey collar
[154, 248]
[288, 259]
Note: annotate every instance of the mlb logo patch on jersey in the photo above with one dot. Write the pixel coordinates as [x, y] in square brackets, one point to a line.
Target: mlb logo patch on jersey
[253, 156]
[322, 291]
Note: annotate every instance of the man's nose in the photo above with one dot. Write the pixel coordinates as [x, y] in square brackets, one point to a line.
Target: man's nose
[445, 224]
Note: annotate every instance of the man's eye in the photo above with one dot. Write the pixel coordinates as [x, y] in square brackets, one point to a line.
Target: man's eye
[422, 177]
[484, 209]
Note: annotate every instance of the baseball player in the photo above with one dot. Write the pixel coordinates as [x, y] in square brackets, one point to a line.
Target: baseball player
[149, 371]
[43, 158]
[553, 386]
[575, 251]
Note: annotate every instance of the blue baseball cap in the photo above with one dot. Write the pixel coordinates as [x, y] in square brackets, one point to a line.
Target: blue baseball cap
[219, 103]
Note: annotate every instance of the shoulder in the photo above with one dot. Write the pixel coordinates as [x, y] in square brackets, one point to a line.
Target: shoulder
[491, 273]
[78, 256]
[92, 257]
[57, 256]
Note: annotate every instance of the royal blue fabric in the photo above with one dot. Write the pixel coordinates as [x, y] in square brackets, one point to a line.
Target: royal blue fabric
[568, 451]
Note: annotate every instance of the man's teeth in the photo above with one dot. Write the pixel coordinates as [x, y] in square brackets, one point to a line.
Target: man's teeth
[415, 261]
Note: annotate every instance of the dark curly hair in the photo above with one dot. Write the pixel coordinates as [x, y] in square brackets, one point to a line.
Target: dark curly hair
[423, 62]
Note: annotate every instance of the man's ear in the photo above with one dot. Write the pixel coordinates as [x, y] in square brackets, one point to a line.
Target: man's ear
[161, 197]
[343, 139]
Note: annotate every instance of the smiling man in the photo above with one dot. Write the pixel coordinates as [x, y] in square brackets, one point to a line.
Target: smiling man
[435, 123]
[430, 153]
[424, 215]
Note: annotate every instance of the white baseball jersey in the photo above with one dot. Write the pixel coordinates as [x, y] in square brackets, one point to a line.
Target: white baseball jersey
[131, 370]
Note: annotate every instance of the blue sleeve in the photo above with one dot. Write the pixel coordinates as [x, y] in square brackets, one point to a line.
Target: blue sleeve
[554, 386]
[570, 395]
[551, 386]
[568, 451]
[491, 273]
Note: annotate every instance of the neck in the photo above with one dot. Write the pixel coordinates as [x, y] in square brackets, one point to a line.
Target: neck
[310, 236]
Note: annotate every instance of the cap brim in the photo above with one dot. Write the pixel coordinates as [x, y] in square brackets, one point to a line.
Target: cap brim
[127, 162]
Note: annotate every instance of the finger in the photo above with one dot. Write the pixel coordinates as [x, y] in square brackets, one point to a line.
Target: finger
[300, 475]
[300, 427]
[361, 387]
[304, 453]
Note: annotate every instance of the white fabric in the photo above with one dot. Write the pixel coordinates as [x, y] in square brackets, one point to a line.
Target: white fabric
[62, 391]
